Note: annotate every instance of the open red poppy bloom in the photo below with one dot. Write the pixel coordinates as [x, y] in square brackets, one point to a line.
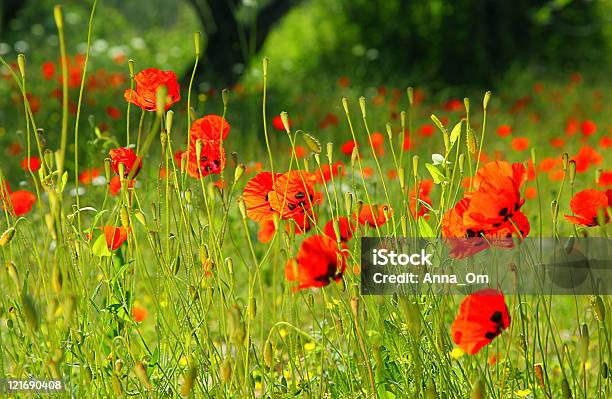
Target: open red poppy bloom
[587, 203]
[425, 187]
[48, 70]
[426, 130]
[588, 128]
[277, 122]
[19, 202]
[586, 157]
[374, 215]
[30, 164]
[347, 148]
[482, 316]
[504, 130]
[212, 159]
[345, 227]
[147, 83]
[453, 104]
[377, 140]
[605, 178]
[209, 127]
[256, 197]
[294, 195]
[128, 158]
[115, 236]
[318, 262]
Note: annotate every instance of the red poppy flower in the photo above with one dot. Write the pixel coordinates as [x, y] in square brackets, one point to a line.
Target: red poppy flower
[520, 143]
[586, 157]
[426, 130]
[504, 130]
[557, 142]
[376, 215]
[453, 105]
[277, 122]
[344, 81]
[425, 187]
[30, 164]
[377, 140]
[345, 226]
[266, 231]
[19, 202]
[588, 128]
[605, 178]
[113, 112]
[210, 127]
[48, 70]
[531, 192]
[212, 159]
[586, 204]
[300, 151]
[14, 149]
[347, 148]
[115, 236]
[147, 83]
[325, 173]
[329, 120]
[87, 176]
[114, 185]
[482, 316]
[318, 262]
[571, 126]
[128, 158]
[605, 142]
[293, 196]
[139, 314]
[257, 199]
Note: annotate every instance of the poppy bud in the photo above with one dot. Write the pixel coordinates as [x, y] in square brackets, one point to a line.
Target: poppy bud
[141, 372]
[410, 93]
[268, 354]
[479, 389]
[539, 372]
[7, 236]
[485, 100]
[466, 103]
[389, 131]
[140, 217]
[124, 217]
[330, 152]
[317, 159]
[57, 279]
[362, 106]
[161, 97]
[59, 18]
[21, 63]
[554, 207]
[348, 202]
[196, 43]
[239, 171]
[225, 370]
[265, 63]
[565, 389]
[107, 170]
[285, 119]
[564, 158]
[572, 171]
[415, 165]
[252, 308]
[117, 388]
[599, 308]
[345, 105]
[12, 272]
[403, 119]
[354, 157]
[225, 97]
[242, 208]
[583, 343]
[169, 120]
[131, 68]
[470, 139]
[189, 379]
[355, 307]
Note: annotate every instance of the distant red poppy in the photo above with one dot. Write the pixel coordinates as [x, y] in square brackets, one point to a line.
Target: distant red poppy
[453, 104]
[344, 81]
[605, 142]
[531, 192]
[374, 215]
[115, 236]
[19, 202]
[30, 164]
[48, 70]
[128, 158]
[571, 126]
[520, 143]
[605, 178]
[586, 157]
[277, 122]
[482, 316]
[87, 176]
[504, 130]
[377, 140]
[14, 149]
[557, 142]
[586, 204]
[113, 112]
[345, 227]
[329, 120]
[347, 147]
[425, 187]
[300, 151]
[147, 83]
[588, 128]
[325, 173]
[210, 127]
[407, 145]
[139, 313]
[426, 130]
[318, 262]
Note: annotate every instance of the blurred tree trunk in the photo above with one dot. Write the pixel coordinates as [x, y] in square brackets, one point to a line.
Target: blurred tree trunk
[230, 42]
[8, 11]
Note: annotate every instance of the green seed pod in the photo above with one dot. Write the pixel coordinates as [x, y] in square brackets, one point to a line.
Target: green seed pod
[252, 308]
[479, 389]
[239, 171]
[354, 156]
[401, 175]
[345, 105]
[21, 63]
[348, 202]
[131, 68]
[140, 217]
[124, 216]
[107, 170]
[466, 103]
[485, 100]
[7, 236]
[599, 308]
[583, 343]
[410, 93]
[141, 372]
[225, 370]
[225, 97]
[415, 165]
[285, 119]
[169, 121]
[362, 106]
[604, 370]
[268, 354]
[58, 16]
[572, 171]
[190, 377]
[470, 139]
[242, 207]
[265, 63]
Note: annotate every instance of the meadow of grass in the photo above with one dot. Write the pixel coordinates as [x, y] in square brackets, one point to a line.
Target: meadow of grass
[163, 281]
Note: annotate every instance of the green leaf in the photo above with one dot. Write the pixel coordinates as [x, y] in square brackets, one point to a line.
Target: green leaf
[455, 133]
[100, 248]
[424, 228]
[436, 174]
